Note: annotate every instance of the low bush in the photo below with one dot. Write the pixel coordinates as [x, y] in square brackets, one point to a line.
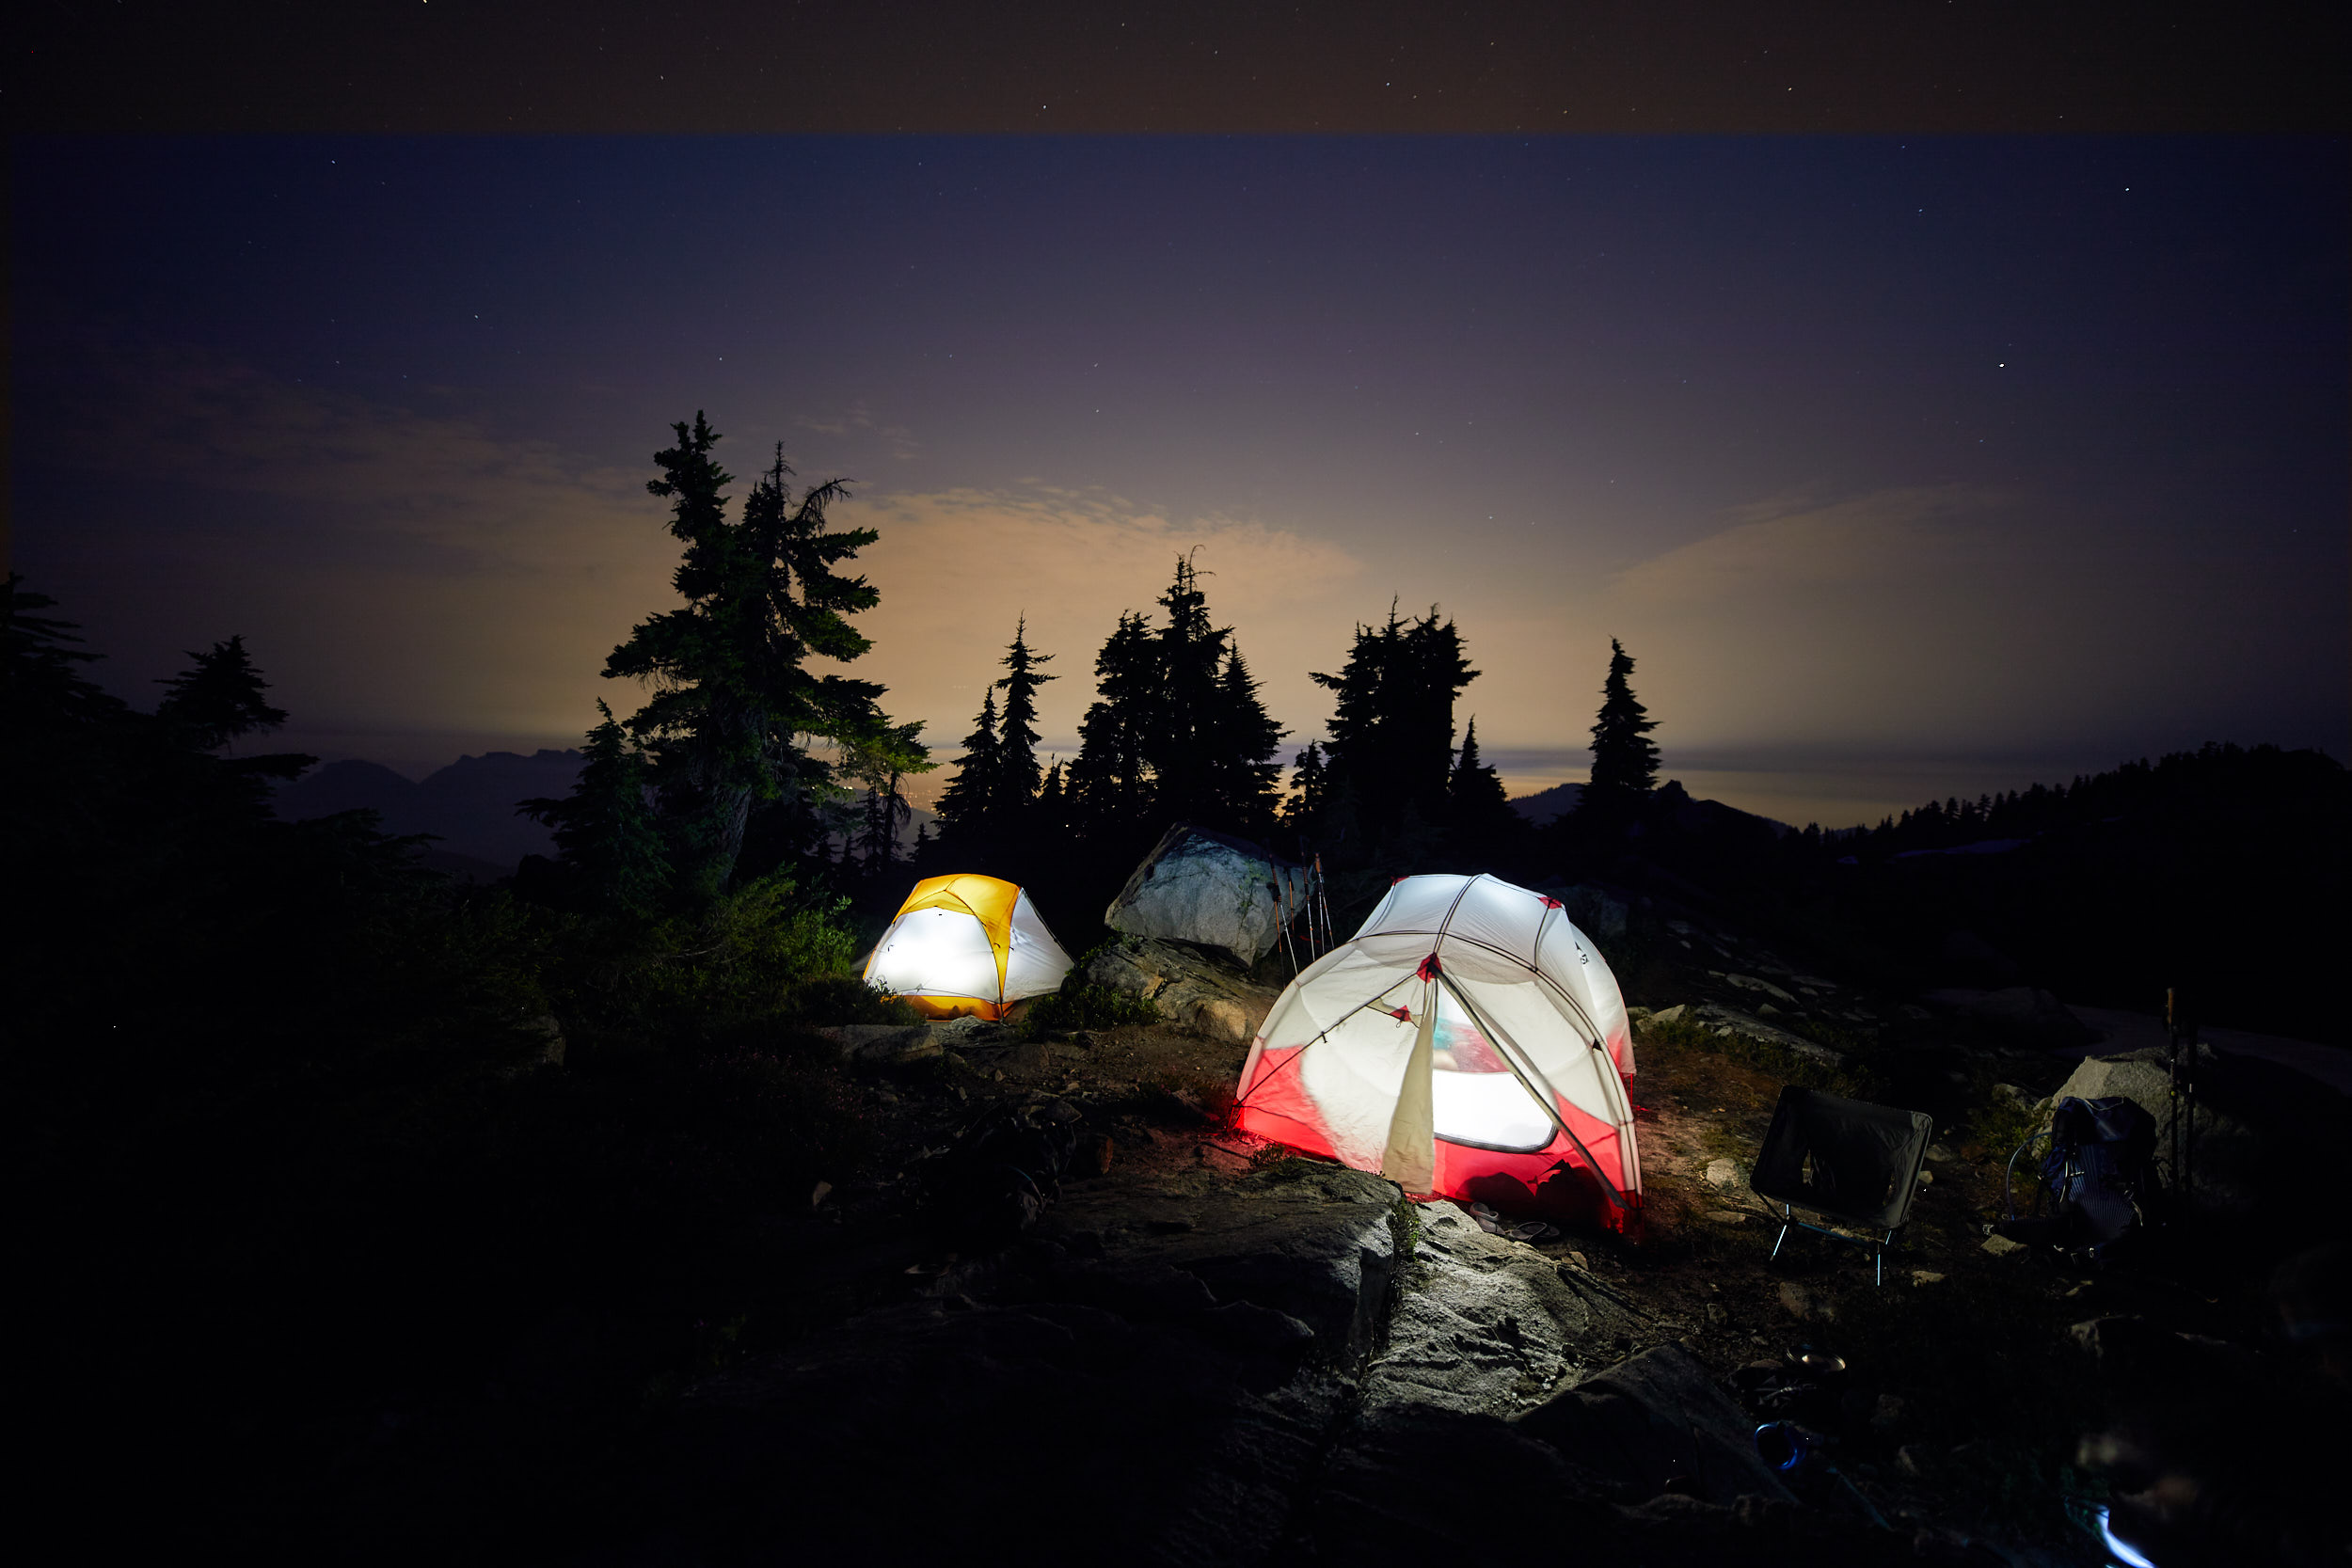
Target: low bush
[1082, 1005]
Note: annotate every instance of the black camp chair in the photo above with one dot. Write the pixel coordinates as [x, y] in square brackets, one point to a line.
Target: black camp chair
[1846, 1160]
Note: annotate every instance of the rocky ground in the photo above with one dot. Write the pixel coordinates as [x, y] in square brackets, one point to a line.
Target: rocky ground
[1207, 1351]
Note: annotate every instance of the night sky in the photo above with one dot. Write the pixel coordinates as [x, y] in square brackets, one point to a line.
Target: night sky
[1904, 467]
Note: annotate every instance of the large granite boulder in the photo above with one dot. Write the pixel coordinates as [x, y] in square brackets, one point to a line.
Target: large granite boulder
[2226, 1155]
[1191, 991]
[1210, 889]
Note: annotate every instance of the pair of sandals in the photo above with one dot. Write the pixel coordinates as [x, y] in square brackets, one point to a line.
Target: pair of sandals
[1493, 1223]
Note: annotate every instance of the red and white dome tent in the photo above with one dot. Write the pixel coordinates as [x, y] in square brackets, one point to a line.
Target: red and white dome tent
[1467, 1043]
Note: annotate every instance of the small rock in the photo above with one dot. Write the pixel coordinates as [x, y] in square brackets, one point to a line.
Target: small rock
[1716, 1315]
[1914, 1011]
[1674, 1014]
[1927, 1179]
[1926, 1276]
[2001, 1246]
[1726, 1216]
[1889, 1415]
[1721, 1172]
[1768, 1010]
[1748, 982]
[1806, 1302]
[1913, 1461]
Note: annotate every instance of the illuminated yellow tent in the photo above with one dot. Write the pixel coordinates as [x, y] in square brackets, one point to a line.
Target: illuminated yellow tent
[966, 944]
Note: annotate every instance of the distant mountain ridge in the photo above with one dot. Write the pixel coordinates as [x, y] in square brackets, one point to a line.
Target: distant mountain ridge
[470, 805]
[1548, 805]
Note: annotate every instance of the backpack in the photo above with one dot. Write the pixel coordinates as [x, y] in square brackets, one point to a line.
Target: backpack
[2097, 1182]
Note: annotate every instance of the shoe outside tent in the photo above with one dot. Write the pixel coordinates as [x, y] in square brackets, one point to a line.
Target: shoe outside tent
[966, 946]
[1467, 1043]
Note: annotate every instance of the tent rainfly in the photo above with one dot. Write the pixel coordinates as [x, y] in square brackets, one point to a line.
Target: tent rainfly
[1467, 1043]
[966, 944]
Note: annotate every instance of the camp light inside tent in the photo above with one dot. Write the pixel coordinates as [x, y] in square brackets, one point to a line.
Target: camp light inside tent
[1467, 1043]
[966, 944]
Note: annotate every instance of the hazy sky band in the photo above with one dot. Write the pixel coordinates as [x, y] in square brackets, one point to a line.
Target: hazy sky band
[1968, 448]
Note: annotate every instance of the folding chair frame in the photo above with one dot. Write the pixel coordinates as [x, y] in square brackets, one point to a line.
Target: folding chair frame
[1878, 1247]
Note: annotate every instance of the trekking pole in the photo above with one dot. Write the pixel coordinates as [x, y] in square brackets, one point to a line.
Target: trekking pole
[1282, 907]
[2181, 1059]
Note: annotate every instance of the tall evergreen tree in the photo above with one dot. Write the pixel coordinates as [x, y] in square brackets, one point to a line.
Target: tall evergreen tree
[1479, 818]
[220, 698]
[1241, 740]
[1110, 782]
[1474, 791]
[968, 806]
[732, 690]
[42, 683]
[1051, 814]
[1624, 759]
[1392, 746]
[1182, 745]
[1018, 777]
[1305, 805]
[885, 810]
[606, 830]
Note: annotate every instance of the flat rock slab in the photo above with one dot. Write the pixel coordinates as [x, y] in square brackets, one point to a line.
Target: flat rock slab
[1491, 1326]
[1317, 1242]
[1191, 992]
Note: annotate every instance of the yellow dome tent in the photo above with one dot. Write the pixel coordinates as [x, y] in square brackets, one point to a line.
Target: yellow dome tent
[966, 944]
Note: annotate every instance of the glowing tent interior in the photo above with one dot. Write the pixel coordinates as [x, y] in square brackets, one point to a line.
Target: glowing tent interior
[966, 944]
[1467, 1043]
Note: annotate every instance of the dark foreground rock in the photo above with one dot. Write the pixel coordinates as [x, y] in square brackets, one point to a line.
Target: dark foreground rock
[1205, 1367]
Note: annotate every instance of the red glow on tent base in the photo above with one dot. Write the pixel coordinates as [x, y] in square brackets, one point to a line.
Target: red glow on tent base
[1553, 1183]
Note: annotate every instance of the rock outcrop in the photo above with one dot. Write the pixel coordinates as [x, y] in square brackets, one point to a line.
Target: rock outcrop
[1731, 1020]
[1212, 890]
[1292, 1363]
[2033, 1016]
[1191, 991]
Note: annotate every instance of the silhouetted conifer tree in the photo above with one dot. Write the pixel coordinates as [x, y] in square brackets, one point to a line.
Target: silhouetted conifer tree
[967, 807]
[1625, 760]
[220, 698]
[1240, 740]
[1392, 746]
[1110, 782]
[1304, 803]
[41, 673]
[606, 829]
[734, 692]
[885, 810]
[1181, 744]
[1051, 813]
[1018, 777]
[1478, 809]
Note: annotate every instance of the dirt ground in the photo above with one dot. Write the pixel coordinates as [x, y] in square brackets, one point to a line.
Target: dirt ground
[1965, 1390]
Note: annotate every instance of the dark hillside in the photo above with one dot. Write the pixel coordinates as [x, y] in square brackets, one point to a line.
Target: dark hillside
[468, 806]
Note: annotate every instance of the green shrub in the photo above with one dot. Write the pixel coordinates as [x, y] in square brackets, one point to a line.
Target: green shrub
[1082, 1005]
[1767, 1056]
